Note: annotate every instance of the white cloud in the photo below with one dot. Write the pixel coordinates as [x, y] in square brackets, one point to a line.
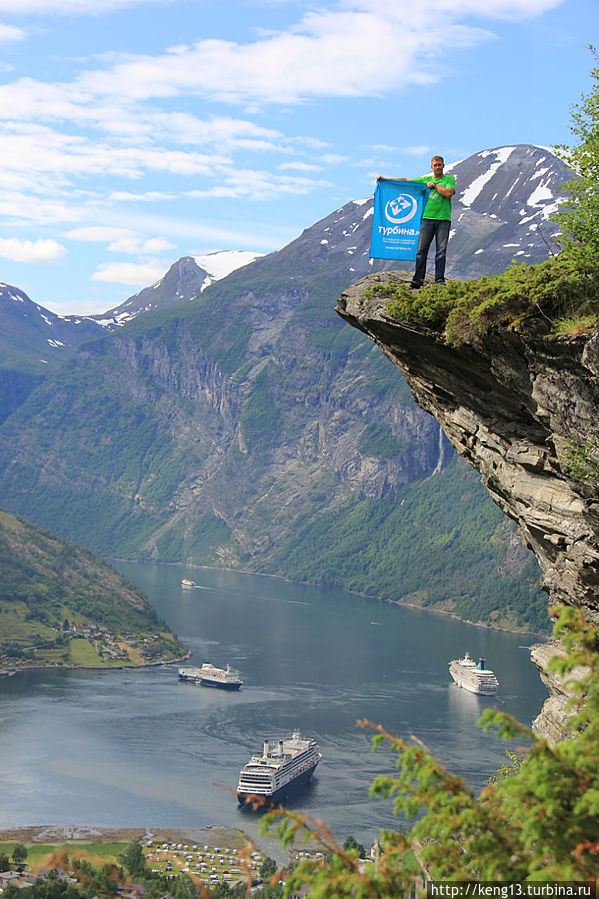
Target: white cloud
[157, 245]
[300, 167]
[133, 245]
[135, 274]
[39, 210]
[417, 151]
[125, 245]
[355, 48]
[61, 143]
[31, 251]
[259, 185]
[98, 233]
[10, 33]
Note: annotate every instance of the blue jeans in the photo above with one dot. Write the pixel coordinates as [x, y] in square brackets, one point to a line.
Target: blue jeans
[429, 228]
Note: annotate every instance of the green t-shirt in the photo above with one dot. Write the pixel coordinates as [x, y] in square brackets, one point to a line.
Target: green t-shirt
[438, 207]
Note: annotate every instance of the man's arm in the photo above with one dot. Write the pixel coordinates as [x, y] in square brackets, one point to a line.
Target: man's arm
[444, 191]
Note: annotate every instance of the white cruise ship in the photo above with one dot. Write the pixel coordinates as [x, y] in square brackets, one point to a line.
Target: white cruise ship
[279, 770]
[472, 676]
[210, 676]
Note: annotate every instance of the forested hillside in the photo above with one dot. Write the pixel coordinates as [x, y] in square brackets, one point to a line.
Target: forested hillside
[61, 605]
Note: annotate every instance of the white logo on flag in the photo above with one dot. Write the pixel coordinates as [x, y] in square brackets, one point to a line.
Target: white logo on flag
[401, 209]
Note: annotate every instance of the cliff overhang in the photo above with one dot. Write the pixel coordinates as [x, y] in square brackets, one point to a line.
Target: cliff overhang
[521, 406]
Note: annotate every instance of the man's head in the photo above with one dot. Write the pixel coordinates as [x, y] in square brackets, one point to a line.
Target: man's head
[437, 164]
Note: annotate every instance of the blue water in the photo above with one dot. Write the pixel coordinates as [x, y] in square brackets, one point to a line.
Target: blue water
[139, 748]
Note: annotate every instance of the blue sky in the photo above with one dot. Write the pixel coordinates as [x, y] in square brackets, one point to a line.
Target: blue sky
[135, 132]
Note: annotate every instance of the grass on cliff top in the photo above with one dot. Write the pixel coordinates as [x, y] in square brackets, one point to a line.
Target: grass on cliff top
[563, 291]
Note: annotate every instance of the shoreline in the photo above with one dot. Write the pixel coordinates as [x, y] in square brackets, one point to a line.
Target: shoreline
[213, 834]
[13, 671]
[393, 602]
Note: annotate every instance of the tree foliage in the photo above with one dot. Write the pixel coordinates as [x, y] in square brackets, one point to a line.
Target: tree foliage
[579, 215]
[541, 823]
[19, 853]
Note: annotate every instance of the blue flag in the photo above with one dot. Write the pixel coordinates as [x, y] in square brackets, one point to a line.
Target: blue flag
[398, 208]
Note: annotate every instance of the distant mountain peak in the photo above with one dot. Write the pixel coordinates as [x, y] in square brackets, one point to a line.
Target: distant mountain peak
[185, 280]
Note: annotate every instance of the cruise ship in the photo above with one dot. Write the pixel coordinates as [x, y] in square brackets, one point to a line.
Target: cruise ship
[472, 676]
[210, 676]
[279, 770]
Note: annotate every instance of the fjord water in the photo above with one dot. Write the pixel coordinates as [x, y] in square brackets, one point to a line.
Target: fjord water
[138, 748]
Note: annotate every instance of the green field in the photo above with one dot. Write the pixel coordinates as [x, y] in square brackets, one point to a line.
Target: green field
[38, 854]
[83, 653]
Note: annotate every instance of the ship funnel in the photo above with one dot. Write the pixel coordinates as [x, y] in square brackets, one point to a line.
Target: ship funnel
[266, 747]
[280, 748]
[482, 663]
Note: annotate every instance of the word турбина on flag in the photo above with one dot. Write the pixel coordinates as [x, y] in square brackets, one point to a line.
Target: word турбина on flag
[398, 208]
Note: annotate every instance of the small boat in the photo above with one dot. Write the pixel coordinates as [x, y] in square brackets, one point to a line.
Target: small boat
[187, 584]
[476, 678]
[211, 676]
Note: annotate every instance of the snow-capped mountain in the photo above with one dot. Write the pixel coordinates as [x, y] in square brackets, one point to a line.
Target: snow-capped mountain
[34, 337]
[501, 212]
[185, 279]
[502, 209]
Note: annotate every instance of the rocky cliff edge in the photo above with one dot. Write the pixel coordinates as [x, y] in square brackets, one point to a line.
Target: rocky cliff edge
[522, 406]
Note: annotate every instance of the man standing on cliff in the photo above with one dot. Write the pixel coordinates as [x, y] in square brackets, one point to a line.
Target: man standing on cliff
[436, 221]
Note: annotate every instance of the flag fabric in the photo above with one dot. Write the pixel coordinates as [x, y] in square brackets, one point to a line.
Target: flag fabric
[398, 208]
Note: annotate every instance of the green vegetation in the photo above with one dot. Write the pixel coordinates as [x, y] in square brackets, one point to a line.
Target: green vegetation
[579, 215]
[583, 462]
[83, 654]
[436, 544]
[261, 420]
[50, 587]
[38, 854]
[377, 440]
[562, 289]
[76, 870]
[539, 824]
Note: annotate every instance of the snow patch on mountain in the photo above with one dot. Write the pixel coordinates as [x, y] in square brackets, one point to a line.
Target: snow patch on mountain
[539, 194]
[473, 190]
[219, 265]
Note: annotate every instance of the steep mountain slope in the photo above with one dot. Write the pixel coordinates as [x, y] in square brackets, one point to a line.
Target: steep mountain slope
[248, 427]
[502, 209]
[33, 342]
[33, 339]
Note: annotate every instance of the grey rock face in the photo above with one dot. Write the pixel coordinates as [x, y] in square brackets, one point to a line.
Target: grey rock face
[516, 406]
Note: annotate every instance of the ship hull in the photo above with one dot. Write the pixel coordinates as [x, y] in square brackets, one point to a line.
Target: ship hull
[480, 690]
[246, 799]
[218, 685]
